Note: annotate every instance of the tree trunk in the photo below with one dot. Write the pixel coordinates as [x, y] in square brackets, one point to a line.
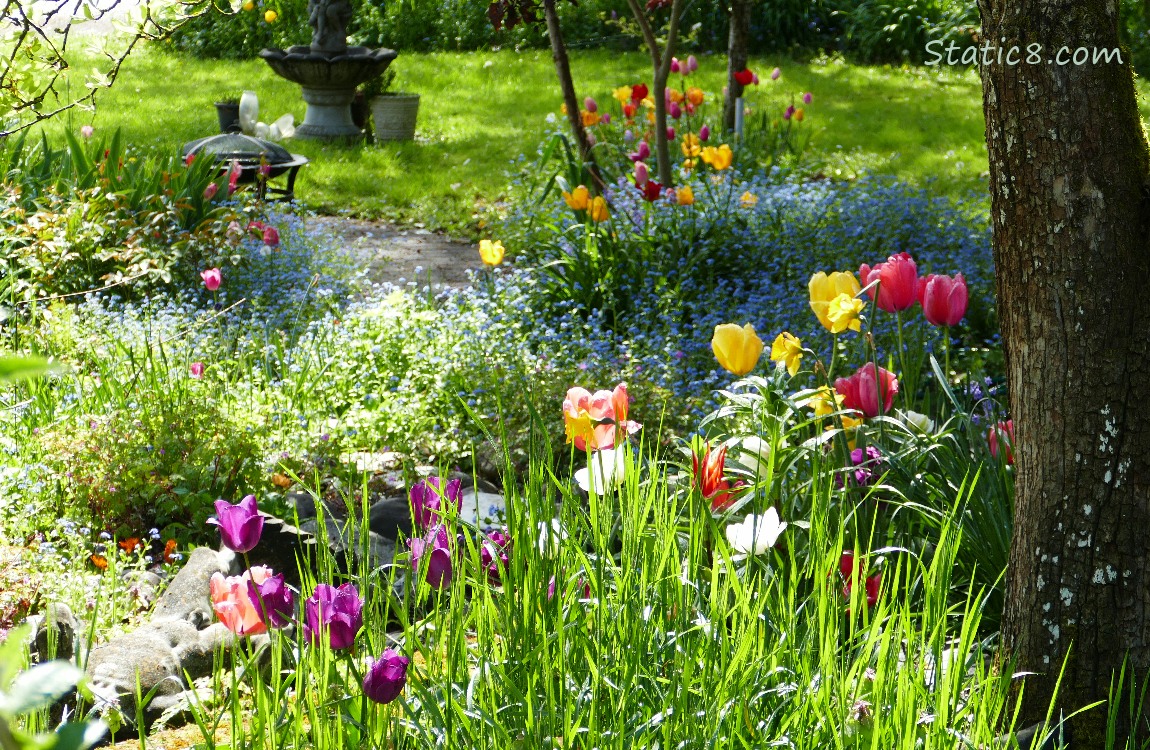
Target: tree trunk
[1070, 198]
[737, 42]
[567, 85]
[661, 69]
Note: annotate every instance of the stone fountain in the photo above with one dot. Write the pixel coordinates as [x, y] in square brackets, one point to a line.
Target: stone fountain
[329, 71]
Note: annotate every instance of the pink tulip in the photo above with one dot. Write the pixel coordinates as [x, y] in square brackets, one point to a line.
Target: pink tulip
[704, 132]
[233, 605]
[210, 191]
[692, 64]
[897, 279]
[775, 74]
[86, 131]
[212, 278]
[675, 65]
[943, 299]
[675, 111]
[642, 151]
[606, 119]
[870, 390]
[197, 370]
[641, 173]
[1003, 431]
[271, 236]
[595, 416]
[234, 176]
[670, 133]
[590, 105]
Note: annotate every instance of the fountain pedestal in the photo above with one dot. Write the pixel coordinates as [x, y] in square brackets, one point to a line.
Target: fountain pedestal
[329, 80]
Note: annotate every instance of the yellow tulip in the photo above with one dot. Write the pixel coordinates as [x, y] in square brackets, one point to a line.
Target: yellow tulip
[563, 109]
[788, 350]
[622, 94]
[843, 313]
[695, 95]
[690, 145]
[598, 211]
[825, 289]
[685, 195]
[271, 16]
[578, 198]
[719, 158]
[490, 252]
[737, 349]
[649, 103]
[799, 114]
[249, 5]
[748, 199]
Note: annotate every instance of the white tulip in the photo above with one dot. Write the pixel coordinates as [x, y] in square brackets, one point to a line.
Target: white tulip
[756, 534]
[916, 421]
[605, 467]
[550, 535]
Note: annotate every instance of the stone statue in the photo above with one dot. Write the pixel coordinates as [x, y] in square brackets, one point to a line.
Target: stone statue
[328, 20]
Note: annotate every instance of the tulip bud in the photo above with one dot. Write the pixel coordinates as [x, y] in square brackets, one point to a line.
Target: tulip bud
[643, 150]
[590, 105]
[807, 98]
[670, 133]
[86, 131]
[692, 64]
[628, 136]
[240, 525]
[385, 677]
[641, 173]
[704, 132]
[675, 66]
[606, 119]
[212, 277]
[197, 370]
[789, 111]
[675, 111]
[775, 74]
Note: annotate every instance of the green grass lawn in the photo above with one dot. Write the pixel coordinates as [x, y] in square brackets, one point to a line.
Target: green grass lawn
[918, 123]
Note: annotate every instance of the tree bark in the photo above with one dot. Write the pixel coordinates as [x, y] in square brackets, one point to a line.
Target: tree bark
[737, 41]
[1070, 180]
[661, 70]
[567, 85]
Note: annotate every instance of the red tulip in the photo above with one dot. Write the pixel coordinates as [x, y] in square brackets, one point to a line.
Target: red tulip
[943, 299]
[639, 92]
[271, 236]
[651, 190]
[1005, 431]
[744, 77]
[870, 390]
[708, 473]
[210, 191]
[897, 278]
[234, 176]
[851, 574]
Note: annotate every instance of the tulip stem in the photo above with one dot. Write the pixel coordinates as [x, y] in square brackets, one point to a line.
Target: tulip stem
[906, 378]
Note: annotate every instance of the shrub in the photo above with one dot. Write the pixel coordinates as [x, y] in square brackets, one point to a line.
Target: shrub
[899, 30]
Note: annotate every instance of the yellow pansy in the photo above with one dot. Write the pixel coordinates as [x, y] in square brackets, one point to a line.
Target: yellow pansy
[690, 145]
[622, 94]
[598, 210]
[843, 313]
[490, 252]
[685, 195]
[719, 158]
[737, 348]
[748, 199]
[578, 199]
[788, 350]
[824, 289]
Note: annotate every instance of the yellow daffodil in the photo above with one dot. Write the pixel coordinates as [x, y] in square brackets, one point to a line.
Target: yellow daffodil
[695, 95]
[598, 210]
[825, 401]
[843, 313]
[622, 94]
[737, 348]
[690, 145]
[718, 158]
[824, 289]
[490, 252]
[788, 350]
[849, 431]
[685, 196]
[578, 199]
[590, 118]
[271, 16]
[748, 199]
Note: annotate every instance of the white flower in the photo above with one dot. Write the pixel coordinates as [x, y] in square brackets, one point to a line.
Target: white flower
[756, 454]
[550, 118]
[605, 468]
[756, 534]
[916, 421]
[550, 535]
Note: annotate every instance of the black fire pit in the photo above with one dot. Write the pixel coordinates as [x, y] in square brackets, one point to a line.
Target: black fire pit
[251, 153]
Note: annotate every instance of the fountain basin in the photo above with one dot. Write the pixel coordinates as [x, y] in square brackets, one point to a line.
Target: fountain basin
[329, 81]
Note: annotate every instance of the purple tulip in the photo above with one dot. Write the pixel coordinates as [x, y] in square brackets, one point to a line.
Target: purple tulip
[606, 118]
[273, 599]
[670, 133]
[590, 105]
[676, 66]
[692, 63]
[385, 677]
[493, 554]
[704, 132]
[436, 545]
[868, 463]
[336, 612]
[427, 500]
[775, 74]
[642, 151]
[807, 98]
[789, 111]
[628, 136]
[240, 524]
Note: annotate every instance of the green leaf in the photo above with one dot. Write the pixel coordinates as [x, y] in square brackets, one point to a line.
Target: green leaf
[79, 735]
[16, 367]
[40, 687]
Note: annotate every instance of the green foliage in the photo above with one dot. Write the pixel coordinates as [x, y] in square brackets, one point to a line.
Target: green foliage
[899, 30]
[1134, 31]
[240, 34]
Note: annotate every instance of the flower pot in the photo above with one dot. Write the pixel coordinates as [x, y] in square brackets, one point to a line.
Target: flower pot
[229, 116]
[394, 116]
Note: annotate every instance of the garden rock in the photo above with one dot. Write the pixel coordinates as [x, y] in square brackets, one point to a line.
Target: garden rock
[180, 639]
[54, 633]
